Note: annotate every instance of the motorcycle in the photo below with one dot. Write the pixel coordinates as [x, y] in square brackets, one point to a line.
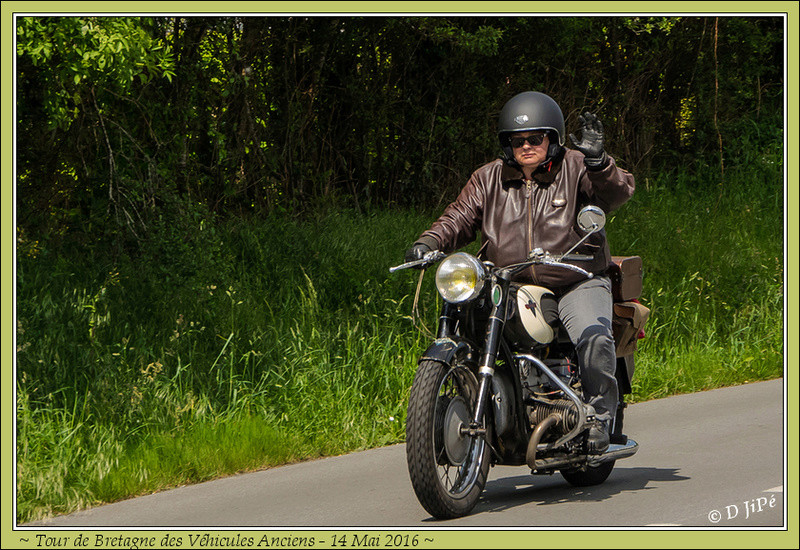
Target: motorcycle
[500, 385]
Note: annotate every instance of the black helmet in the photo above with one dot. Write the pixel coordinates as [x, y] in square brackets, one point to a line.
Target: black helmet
[531, 111]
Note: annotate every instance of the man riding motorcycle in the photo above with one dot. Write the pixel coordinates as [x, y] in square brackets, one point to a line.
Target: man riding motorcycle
[528, 199]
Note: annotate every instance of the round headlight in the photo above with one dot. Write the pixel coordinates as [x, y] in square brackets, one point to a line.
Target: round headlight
[460, 277]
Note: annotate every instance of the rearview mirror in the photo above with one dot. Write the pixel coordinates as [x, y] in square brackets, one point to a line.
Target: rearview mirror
[591, 218]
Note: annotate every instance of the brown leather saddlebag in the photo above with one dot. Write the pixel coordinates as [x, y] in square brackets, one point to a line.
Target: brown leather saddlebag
[627, 325]
[626, 277]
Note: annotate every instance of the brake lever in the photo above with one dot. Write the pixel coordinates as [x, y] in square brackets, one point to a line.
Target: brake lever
[430, 257]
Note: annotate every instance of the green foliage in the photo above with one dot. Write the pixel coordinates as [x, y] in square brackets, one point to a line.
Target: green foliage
[713, 275]
[77, 55]
[282, 113]
[650, 25]
[484, 40]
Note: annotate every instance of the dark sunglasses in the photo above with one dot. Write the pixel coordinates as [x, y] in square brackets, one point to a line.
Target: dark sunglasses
[536, 139]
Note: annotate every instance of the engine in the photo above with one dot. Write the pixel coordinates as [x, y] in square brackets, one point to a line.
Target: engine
[543, 398]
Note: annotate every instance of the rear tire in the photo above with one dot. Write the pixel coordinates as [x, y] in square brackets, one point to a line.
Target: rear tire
[448, 470]
[592, 475]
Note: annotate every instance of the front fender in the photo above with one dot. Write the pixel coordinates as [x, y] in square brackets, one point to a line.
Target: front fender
[443, 350]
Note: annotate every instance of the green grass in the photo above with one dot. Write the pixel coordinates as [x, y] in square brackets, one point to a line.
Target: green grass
[713, 261]
[226, 346]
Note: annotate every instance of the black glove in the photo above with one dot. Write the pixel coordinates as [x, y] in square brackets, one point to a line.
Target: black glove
[591, 144]
[417, 252]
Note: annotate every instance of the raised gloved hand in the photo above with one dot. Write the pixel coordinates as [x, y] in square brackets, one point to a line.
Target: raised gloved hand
[591, 143]
[417, 252]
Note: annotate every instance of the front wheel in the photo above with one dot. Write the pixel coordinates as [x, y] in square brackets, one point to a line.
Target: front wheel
[448, 468]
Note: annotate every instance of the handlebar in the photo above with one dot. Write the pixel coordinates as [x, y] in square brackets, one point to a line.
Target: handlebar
[587, 274]
[537, 257]
[429, 258]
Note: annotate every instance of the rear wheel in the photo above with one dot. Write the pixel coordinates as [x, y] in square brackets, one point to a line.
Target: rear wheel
[592, 475]
[447, 468]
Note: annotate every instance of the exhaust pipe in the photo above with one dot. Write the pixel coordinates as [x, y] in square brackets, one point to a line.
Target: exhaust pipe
[536, 436]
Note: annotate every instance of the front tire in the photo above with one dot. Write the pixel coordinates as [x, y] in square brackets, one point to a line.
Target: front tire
[448, 470]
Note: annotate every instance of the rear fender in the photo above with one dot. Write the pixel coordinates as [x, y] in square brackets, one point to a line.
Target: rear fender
[625, 368]
[624, 374]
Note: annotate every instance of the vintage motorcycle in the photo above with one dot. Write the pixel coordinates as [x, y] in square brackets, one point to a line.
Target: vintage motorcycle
[500, 383]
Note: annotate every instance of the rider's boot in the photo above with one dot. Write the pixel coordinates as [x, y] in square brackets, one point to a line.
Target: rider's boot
[598, 438]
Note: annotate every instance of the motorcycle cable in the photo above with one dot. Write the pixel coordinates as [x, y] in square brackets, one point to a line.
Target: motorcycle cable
[416, 317]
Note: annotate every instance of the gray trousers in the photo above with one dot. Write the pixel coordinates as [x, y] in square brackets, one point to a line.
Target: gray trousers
[586, 310]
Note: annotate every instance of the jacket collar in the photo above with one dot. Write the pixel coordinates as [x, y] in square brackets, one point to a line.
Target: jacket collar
[544, 174]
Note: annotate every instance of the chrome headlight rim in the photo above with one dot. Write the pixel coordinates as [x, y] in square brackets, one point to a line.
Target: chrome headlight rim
[460, 278]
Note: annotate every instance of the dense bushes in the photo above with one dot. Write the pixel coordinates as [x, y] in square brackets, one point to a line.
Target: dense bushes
[258, 114]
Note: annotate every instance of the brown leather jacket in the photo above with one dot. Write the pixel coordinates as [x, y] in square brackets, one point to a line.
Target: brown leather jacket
[515, 216]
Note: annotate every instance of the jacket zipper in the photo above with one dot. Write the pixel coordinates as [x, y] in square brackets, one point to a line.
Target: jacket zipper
[530, 227]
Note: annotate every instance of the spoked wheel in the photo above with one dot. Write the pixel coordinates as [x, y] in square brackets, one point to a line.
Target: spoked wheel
[448, 468]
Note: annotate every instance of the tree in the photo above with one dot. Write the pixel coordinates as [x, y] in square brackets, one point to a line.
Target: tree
[82, 84]
[251, 114]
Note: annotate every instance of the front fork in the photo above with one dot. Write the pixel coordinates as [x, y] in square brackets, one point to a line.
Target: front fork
[494, 330]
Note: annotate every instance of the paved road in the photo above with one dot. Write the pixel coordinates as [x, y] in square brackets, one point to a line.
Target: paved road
[707, 459]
